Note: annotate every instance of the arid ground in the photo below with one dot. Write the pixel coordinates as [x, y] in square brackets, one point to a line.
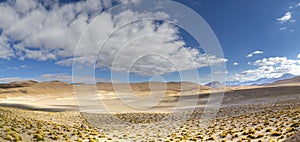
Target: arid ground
[49, 111]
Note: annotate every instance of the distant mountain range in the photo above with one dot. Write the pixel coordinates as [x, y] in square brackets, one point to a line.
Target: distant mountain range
[295, 80]
[261, 81]
[215, 84]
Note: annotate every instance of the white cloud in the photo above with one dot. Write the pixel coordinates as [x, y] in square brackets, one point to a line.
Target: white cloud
[298, 56]
[269, 68]
[282, 28]
[294, 6]
[220, 72]
[235, 63]
[287, 16]
[127, 1]
[269, 61]
[52, 34]
[24, 6]
[5, 51]
[254, 53]
[16, 67]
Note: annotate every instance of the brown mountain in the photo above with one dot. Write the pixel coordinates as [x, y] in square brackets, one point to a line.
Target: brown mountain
[17, 84]
[148, 86]
[21, 88]
[292, 81]
[57, 88]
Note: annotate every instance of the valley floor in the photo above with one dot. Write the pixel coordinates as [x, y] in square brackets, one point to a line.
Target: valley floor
[272, 121]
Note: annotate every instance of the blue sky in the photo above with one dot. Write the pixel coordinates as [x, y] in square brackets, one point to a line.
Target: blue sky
[259, 38]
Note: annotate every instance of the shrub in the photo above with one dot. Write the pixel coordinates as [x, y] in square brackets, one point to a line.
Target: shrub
[235, 135]
[260, 135]
[290, 129]
[252, 131]
[258, 128]
[55, 138]
[275, 133]
[268, 130]
[18, 138]
[9, 137]
[39, 137]
[211, 138]
[200, 137]
[223, 135]
[290, 134]
[278, 129]
[266, 122]
[295, 125]
[252, 136]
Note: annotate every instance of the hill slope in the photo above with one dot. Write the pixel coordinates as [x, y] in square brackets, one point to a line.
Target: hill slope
[292, 81]
[24, 88]
[57, 88]
[148, 86]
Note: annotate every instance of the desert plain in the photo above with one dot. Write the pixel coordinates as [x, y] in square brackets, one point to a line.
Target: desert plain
[174, 111]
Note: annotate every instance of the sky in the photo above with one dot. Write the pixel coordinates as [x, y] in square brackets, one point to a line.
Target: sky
[39, 40]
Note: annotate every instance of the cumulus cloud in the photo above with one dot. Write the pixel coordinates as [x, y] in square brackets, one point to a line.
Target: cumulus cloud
[51, 30]
[235, 63]
[158, 52]
[298, 56]
[287, 16]
[254, 53]
[43, 33]
[269, 68]
[5, 51]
